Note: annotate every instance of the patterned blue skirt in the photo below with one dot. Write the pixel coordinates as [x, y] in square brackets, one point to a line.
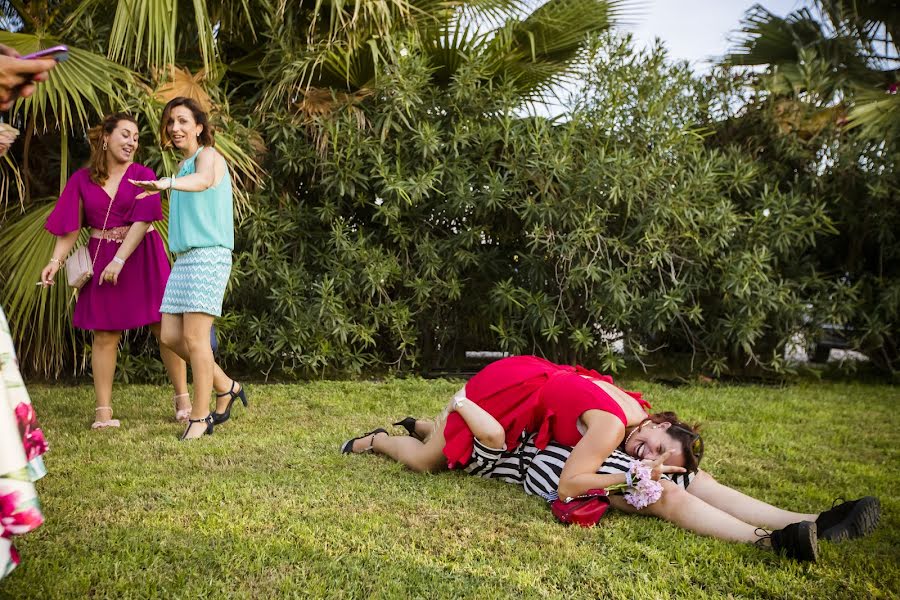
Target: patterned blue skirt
[197, 283]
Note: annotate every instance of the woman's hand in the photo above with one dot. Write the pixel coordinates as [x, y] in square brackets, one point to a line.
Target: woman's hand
[152, 186]
[111, 273]
[49, 273]
[658, 469]
[17, 76]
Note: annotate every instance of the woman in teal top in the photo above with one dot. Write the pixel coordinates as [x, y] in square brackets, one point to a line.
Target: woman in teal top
[201, 234]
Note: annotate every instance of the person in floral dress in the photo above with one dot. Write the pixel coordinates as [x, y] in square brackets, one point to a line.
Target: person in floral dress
[22, 446]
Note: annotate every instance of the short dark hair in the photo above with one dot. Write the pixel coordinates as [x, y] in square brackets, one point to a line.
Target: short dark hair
[206, 137]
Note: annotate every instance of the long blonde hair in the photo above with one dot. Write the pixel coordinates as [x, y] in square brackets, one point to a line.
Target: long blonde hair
[99, 168]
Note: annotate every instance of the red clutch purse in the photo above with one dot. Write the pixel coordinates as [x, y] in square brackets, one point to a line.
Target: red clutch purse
[584, 510]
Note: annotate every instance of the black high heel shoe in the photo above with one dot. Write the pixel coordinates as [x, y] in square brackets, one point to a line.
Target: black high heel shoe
[409, 424]
[219, 418]
[347, 447]
[209, 426]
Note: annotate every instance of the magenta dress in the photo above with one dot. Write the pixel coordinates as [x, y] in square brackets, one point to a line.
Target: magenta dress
[135, 300]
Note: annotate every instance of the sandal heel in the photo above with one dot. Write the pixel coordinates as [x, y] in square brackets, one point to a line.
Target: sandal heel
[219, 418]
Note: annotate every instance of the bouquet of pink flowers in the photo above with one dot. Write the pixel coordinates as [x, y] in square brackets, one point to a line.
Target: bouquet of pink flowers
[640, 489]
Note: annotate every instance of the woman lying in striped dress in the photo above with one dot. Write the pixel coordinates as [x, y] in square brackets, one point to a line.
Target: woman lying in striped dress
[691, 498]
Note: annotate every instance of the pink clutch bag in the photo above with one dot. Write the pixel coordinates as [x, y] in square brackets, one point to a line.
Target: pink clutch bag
[79, 268]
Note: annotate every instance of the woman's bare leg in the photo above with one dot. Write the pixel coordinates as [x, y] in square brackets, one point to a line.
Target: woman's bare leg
[104, 352]
[429, 455]
[172, 335]
[424, 428]
[176, 368]
[690, 512]
[741, 506]
[419, 456]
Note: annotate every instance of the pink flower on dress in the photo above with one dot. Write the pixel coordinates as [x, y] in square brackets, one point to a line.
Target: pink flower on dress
[35, 444]
[26, 415]
[14, 521]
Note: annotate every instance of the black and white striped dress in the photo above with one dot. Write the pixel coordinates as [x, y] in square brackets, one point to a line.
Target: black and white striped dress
[538, 471]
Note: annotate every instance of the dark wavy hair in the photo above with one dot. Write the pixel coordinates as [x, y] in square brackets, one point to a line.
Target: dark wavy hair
[206, 137]
[99, 168]
[688, 436]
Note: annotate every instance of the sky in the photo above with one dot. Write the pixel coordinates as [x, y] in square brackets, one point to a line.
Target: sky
[696, 30]
[693, 30]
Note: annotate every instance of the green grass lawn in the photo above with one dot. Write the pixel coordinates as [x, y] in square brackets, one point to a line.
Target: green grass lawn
[267, 507]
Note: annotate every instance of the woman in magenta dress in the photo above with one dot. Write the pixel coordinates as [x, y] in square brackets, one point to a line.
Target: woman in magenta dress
[131, 266]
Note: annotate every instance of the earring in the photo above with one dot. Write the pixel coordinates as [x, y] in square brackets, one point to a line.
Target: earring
[198, 135]
[105, 146]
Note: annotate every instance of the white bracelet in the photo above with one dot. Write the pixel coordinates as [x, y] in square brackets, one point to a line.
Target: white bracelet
[116, 259]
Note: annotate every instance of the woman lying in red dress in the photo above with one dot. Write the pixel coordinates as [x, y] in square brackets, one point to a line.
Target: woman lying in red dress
[524, 404]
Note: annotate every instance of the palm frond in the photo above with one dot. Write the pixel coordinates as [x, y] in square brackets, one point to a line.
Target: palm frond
[144, 33]
[767, 39]
[535, 54]
[876, 113]
[24, 249]
[336, 19]
[86, 83]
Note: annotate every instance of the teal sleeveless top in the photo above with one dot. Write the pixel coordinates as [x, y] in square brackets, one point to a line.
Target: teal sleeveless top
[201, 219]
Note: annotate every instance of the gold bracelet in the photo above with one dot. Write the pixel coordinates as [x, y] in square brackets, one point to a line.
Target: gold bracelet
[53, 259]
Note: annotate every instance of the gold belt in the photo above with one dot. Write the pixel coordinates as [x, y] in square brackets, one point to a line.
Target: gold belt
[114, 234]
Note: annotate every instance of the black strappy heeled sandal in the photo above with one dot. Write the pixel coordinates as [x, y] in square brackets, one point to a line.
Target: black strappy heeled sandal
[409, 424]
[347, 447]
[219, 418]
[209, 427]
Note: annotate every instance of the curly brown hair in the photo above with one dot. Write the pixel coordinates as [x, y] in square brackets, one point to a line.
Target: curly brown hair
[99, 168]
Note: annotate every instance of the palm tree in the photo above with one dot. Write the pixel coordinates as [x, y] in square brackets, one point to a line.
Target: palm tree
[531, 48]
[118, 60]
[256, 54]
[840, 66]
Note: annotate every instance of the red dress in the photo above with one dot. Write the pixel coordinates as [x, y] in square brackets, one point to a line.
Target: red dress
[530, 394]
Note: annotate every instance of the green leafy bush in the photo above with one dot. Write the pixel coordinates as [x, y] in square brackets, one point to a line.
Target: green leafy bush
[431, 219]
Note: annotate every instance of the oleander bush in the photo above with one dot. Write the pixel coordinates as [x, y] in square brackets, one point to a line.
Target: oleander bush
[402, 200]
[432, 219]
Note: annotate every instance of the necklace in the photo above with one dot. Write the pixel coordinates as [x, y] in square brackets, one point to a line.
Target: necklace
[633, 431]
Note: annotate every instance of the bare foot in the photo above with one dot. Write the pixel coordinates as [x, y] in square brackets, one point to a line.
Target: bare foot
[182, 407]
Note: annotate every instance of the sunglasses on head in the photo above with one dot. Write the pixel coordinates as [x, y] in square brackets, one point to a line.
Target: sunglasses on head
[696, 441]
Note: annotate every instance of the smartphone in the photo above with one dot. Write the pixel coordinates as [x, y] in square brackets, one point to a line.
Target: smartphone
[57, 53]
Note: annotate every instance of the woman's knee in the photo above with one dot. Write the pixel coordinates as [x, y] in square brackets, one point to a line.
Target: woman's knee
[196, 342]
[673, 497]
[106, 339]
[170, 337]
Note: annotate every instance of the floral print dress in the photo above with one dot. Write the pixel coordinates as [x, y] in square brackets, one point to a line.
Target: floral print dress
[21, 446]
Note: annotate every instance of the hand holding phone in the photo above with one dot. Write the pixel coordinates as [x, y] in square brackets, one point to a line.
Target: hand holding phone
[18, 74]
[57, 53]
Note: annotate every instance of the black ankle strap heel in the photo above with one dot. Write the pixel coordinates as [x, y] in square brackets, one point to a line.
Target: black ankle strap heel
[209, 426]
[219, 418]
